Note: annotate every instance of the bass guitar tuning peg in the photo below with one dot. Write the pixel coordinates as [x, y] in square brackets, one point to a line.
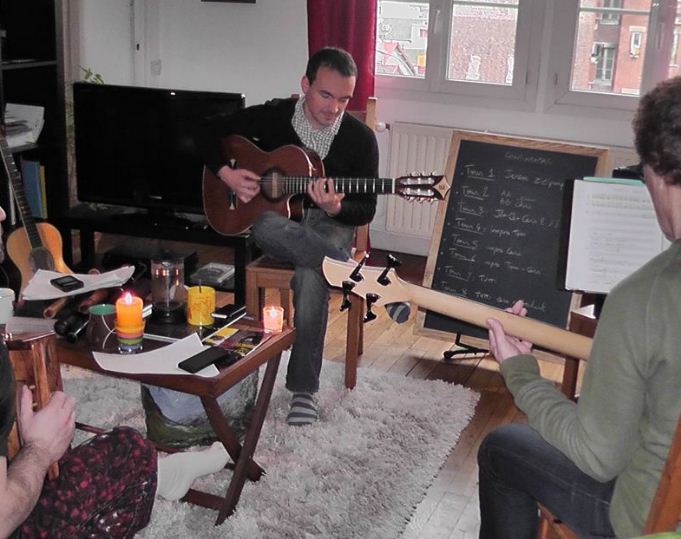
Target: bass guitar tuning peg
[347, 288]
[356, 274]
[391, 262]
[371, 298]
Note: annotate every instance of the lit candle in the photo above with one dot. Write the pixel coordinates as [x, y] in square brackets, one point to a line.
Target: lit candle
[273, 318]
[129, 323]
[129, 312]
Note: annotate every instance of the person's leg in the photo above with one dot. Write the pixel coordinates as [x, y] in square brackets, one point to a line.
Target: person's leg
[311, 309]
[178, 471]
[305, 245]
[518, 469]
[105, 488]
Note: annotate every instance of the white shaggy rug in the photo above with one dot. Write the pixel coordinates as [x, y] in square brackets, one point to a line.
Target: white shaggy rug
[359, 472]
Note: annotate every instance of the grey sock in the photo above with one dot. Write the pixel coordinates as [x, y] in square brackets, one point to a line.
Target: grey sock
[303, 409]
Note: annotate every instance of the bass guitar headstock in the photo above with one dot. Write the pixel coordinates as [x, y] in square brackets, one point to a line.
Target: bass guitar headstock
[421, 187]
[378, 286]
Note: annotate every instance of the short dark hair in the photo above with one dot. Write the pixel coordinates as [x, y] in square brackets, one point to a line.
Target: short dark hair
[333, 58]
[657, 129]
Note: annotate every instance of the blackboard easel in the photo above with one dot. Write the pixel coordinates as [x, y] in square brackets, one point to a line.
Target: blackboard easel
[497, 237]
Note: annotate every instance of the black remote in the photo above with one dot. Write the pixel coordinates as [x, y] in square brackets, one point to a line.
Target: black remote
[203, 359]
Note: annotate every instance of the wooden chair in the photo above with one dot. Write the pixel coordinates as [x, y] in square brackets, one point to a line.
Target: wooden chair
[665, 511]
[35, 365]
[267, 272]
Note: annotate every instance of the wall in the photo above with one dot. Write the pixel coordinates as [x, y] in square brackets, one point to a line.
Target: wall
[257, 49]
[104, 42]
[260, 49]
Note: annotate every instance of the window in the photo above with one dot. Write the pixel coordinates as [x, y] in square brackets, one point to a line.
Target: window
[599, 53]
[401, 38]
[475, 47]
[610, 14]
[605, 61]
[635, 44]
[609, 65]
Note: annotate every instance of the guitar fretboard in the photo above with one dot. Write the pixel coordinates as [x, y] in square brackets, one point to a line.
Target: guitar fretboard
[292, 185]
[19, 196]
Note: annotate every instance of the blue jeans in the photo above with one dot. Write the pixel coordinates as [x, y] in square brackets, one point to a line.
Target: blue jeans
[305, 245]
[518, 469]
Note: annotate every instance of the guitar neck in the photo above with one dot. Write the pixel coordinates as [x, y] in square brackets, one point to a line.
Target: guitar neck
[19, 196]
[542, 334]
[295, 185]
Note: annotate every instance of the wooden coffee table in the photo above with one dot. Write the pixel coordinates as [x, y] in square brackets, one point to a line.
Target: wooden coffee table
[209, 390]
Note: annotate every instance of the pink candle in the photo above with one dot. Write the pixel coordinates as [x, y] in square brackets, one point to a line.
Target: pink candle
[273, 318]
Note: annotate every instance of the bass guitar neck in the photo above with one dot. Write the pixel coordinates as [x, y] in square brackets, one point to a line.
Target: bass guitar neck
[382, 286]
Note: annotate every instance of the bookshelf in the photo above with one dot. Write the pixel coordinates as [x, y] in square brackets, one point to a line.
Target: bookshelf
[31, 73]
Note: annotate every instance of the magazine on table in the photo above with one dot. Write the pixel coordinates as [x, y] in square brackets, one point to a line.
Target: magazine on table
[239, 341]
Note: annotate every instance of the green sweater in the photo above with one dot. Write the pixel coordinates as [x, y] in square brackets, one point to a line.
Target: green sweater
[630, 399]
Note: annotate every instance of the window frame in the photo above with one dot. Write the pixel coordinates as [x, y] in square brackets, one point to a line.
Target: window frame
[520, 94]
[542, 64]
[560, 98]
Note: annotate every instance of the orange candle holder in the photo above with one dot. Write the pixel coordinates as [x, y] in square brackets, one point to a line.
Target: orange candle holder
[273, 318]
[200, 305]
[129, 323]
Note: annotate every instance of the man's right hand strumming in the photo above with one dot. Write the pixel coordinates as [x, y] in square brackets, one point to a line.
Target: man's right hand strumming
[243, 182]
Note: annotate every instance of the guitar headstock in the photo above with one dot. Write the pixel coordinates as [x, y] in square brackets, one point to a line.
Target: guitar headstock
[382, 282]
[422, 187]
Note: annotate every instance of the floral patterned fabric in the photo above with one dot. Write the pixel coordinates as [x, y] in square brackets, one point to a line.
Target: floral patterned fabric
[105, 488]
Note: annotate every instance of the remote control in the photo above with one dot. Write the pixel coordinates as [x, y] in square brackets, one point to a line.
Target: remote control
[203, 359]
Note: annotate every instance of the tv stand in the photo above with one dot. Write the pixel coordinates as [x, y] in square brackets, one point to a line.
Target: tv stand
[155, 220]
[116, 220]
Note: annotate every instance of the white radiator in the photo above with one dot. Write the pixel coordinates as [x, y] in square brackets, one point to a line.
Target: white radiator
[415, 148]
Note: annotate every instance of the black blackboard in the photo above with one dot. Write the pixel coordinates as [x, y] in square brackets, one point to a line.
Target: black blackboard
[497, 238]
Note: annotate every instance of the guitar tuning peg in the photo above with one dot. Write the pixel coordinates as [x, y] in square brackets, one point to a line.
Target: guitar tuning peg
[391, 262]
[371, 298]
[356, 274]
[347, 288]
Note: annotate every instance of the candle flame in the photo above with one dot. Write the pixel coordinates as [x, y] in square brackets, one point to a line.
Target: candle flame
[127, 298]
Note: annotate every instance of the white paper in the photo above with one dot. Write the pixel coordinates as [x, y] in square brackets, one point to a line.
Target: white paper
[32, 116]
[613, 232]
[160, 361]
[39, 287]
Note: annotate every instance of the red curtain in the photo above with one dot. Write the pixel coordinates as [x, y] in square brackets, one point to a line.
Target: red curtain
[350, 25]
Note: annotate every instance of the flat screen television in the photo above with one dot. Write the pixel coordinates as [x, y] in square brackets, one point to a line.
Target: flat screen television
[135, 146]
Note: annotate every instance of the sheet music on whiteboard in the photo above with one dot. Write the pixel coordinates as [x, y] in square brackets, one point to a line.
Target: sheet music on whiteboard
[613, 232]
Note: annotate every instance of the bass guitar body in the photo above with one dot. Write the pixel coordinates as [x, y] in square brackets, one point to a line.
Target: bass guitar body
[28, 259]
[228, 215]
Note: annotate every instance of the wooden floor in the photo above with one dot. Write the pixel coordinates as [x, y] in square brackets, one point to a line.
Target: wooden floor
[450, 507]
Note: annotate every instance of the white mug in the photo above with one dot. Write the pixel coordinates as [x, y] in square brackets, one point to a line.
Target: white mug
[6, 304]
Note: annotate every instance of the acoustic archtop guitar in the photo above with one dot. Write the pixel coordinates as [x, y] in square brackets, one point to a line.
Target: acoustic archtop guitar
[382, 285]
[33, 246]
[284, 176]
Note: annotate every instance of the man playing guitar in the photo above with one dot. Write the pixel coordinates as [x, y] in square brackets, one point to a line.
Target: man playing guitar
[347, 147]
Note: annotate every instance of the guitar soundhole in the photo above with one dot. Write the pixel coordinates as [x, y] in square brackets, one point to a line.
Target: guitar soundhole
[41, 258]
[272, 184]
